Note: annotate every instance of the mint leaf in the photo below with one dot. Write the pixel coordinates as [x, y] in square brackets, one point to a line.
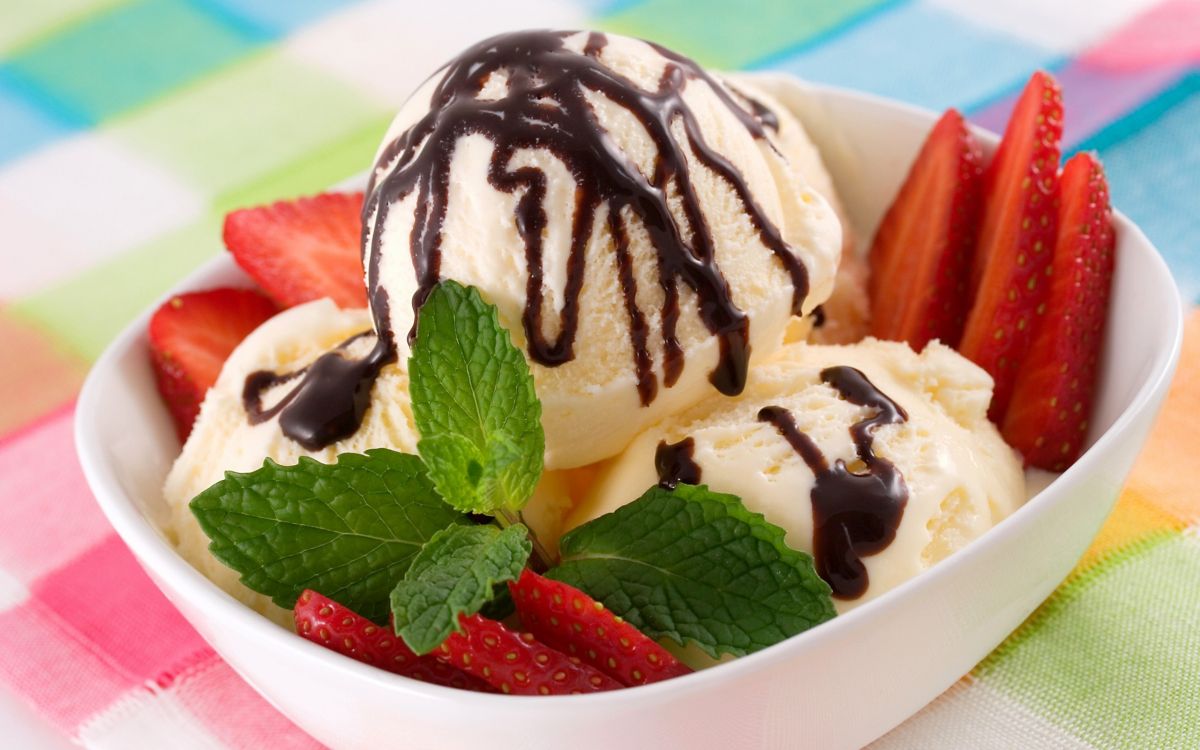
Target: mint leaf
[464, 471]
[474, 404]
[501, 605]
[696, 565]
[348, 530]
[455, 574]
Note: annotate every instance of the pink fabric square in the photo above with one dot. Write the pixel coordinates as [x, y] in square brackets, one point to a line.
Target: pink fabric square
[110, 602]
[61, 673]
[1166, 35]
[236, 714]
[1093, 97]
[46, 509]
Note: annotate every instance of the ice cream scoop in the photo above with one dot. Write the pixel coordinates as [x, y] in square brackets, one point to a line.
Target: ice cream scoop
[224, 438]
[877, 460]
[631, 216]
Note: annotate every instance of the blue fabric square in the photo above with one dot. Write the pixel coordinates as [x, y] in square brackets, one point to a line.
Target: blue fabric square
[129, 55]
[920, 54]
[26, 121]
[272, 18]
[1152, 157]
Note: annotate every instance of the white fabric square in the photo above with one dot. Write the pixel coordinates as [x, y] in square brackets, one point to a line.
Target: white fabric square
[147, 718]
[12, 591]
[387, 48]
[971, 714]
[79, 202]
[1066, 26]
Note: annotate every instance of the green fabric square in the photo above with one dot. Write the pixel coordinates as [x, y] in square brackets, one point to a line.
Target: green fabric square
[726, 34]
[28, 21]
[313, 173]
[253, 120]
[127, 56]
[86, 312]
[1114, 656]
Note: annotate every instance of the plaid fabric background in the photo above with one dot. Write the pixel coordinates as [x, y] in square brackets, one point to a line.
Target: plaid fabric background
[128, 127]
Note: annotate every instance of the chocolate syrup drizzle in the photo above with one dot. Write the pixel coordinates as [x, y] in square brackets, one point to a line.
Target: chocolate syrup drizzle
[320, 410]
[675, 463]
[545, 107]
[854, 515]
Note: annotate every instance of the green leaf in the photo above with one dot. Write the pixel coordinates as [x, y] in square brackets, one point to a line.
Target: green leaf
[455, 574]
[474, 404]
[501, 605]
[463, 471]
[349, 530]
[695, 565]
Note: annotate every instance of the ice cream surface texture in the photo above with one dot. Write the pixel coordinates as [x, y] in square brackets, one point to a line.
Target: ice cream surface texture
[935, 473]
[634, 218]
[224, 439]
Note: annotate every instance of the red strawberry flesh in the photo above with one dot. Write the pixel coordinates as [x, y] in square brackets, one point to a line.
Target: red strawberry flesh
[1052, 398]
[338, 628]
[1016, 237]
[191, 336]
[922, 250]
[302, 250]
[565, 618]
[518, 663]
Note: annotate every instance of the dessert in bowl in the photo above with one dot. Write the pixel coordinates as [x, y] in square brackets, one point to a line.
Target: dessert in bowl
[875, 420]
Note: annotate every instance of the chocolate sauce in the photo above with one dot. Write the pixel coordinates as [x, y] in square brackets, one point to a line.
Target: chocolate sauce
[545, 107]
[761, 111]
[675, 463]
[328, 403]
[854, 515]
[818, 316]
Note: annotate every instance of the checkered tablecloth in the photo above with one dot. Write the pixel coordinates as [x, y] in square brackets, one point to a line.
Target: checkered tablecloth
[128, 127]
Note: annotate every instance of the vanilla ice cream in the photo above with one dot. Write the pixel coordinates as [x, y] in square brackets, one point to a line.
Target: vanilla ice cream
[636, 221]
[224, 439]
[951, 476]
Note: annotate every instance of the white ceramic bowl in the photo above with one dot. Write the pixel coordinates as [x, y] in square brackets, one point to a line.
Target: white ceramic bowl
[839, 685]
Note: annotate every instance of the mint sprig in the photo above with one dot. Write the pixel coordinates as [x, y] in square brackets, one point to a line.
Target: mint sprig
[349, 530]
[474, 404]
[455, 574]
[696, 565]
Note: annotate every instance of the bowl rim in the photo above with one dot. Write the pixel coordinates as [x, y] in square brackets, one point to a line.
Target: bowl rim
[155, 554]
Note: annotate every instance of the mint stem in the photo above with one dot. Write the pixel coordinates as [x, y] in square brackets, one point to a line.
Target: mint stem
[539, 560]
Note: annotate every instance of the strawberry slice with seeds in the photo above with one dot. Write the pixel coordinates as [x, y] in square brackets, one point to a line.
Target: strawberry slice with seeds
[518, 663]
[191, 336]
[303, 249]
[1016, 237]
[565, 618]
[338, 628]
[922, 250]
[1052, 397]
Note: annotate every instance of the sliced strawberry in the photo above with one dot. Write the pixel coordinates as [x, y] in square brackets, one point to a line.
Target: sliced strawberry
[302, 250]
[191, 335]
[1052, 398]
[324, 621]
[517, 662]
[565, 618]
[1012, 257]
[922, 250]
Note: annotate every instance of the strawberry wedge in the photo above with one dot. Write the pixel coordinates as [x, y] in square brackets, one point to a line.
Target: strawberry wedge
[191, 336]
[302, 250]
[329, 624]
[1012, 258]
[518, 663]
[565, 618]
[1052, 398]
[922, 250]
